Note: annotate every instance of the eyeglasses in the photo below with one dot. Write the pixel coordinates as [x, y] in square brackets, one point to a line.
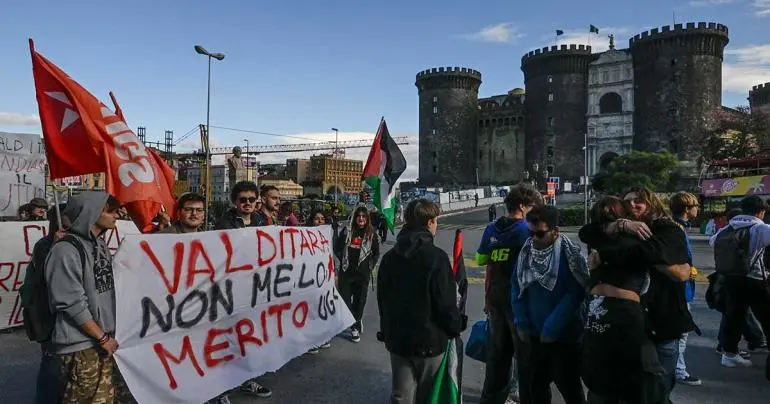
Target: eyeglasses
[193, 210]
[247, 200]
[538, 233]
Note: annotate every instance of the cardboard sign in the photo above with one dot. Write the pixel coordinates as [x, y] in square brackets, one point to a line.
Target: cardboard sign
[19, 239]
[200, 313]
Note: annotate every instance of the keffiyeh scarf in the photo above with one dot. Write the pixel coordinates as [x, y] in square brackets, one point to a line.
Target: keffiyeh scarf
[542, 266]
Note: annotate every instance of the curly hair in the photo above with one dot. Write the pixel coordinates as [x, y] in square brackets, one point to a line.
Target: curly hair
[655, 208]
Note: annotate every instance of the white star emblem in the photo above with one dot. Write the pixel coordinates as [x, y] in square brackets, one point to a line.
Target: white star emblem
[70, 116]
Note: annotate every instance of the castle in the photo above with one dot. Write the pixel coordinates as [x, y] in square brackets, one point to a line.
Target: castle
[656, 94]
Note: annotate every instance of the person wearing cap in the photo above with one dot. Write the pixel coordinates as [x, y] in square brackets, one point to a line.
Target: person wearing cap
[37, 209]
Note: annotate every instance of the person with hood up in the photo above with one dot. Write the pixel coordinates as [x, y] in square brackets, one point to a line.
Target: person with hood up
[499, 248]
[745, 287]
[82, 298]
[417, 299]
[244, 196]
[37, 313]
[358, 249]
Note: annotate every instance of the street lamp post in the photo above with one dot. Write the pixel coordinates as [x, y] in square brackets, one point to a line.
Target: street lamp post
[585, 178]
[336, 165]
[248, 160]
[218, 56]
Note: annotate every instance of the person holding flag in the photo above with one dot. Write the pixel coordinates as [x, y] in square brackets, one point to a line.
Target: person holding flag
[384, 166]
[418, 305]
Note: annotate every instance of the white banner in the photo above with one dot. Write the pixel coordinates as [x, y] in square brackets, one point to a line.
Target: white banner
[19, 239]
[200, 313]
[22, 170]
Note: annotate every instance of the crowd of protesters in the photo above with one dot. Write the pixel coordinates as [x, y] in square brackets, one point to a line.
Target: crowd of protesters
[615, 322]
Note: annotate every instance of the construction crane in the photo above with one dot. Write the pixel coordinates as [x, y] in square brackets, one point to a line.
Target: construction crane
[199, 156]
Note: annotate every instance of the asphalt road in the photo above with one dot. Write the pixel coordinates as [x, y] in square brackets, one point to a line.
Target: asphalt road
[360, 373]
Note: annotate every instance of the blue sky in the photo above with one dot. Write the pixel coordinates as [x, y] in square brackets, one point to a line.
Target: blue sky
[302, 67]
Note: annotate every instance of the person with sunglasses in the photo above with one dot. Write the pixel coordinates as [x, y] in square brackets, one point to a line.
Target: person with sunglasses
[244, 212]
[547, 291]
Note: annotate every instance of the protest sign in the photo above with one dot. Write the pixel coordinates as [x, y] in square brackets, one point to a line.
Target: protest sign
[200, 313]
[22, 170]
[19, 239]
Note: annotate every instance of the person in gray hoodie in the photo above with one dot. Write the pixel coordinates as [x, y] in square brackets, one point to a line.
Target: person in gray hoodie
[751, 290]
[82, 298]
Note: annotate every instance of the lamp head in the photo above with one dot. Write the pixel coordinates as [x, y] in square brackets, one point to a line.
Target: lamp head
[201, 50]
[217, 56]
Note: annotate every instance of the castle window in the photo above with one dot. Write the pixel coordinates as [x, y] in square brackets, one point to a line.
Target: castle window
[435, 110]
[433, 132]
[435, 169]
[673, 62]
[629, 76]
[481, 124]
[435, 99]
[610, 103]
[605, 76]
[435, 155]
[549, 169]
[550, 79]
[549, 122]
[481, 154]
[520, 121]
[550, 96]
[549, 151]
[502, 153]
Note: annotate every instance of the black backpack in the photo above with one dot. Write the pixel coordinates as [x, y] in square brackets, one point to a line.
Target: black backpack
[38, 319]
[731, 251]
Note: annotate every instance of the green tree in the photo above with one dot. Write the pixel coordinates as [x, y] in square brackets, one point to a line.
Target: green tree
[737, 133]
[652, 170]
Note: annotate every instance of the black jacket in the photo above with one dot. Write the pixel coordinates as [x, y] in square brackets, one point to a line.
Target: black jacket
[664, 303]
[231, 220]
[417, 297]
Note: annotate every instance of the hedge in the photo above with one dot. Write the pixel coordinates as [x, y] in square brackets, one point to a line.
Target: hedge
[571, 217]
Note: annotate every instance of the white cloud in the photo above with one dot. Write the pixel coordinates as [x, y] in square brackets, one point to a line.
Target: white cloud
[599, 42]
[410, 151]
[761, 8]
[704, 3]
[15, 118]
[746, 67]
[504, 32]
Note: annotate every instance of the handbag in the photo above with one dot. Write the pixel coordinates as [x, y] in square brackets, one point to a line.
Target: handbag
[476, 347]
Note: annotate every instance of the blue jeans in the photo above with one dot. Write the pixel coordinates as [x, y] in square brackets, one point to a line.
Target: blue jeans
[668, 354]
[48, 387]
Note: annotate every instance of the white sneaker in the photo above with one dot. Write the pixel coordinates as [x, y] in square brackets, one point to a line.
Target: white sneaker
[734, 361]
[355, 336]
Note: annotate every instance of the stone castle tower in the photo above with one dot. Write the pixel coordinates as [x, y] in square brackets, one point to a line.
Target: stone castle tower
[678, 82]
[555, 81]
[662, 95]
[448, 123]
[759, 98]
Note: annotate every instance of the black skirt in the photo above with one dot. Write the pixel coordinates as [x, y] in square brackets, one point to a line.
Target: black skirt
[620, 363]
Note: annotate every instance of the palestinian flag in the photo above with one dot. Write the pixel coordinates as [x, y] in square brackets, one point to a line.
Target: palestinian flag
[447, 386]
[384, 166]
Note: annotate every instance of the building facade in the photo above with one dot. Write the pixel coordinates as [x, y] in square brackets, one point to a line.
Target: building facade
[659, 92]
[297, 170]
[344, 175]
[610, 108]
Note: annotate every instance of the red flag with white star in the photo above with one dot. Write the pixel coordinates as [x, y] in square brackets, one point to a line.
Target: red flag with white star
[69, 148]
[83, 136]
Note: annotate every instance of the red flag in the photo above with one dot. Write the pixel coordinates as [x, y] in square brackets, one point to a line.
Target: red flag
[457, 252]
[83, 136]
[458, 270]
[143, 212]
[69, 148]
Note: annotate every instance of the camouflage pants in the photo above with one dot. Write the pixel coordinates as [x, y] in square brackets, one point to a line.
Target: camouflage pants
[89, 377]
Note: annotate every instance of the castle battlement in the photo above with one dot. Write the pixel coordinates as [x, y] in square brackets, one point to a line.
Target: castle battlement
[448, 71]
[555, 50]
[761, 88]
[759, 95]
[680, 30]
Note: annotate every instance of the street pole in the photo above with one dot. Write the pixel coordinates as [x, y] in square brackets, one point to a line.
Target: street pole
[585, 178]
[336, 165]
[208, 149]
[218, 56]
